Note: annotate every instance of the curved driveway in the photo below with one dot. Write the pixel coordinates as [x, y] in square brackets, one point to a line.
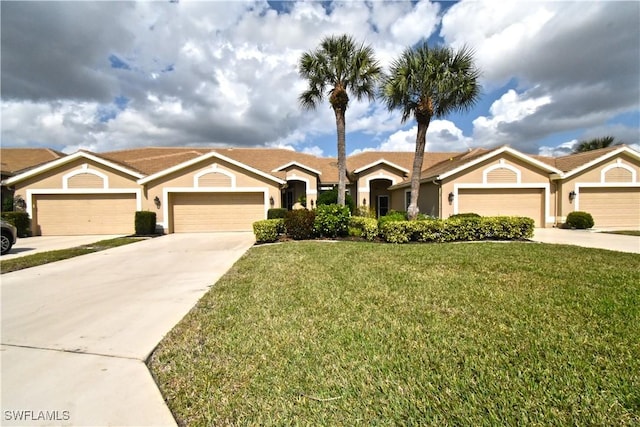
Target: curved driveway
[76, 333]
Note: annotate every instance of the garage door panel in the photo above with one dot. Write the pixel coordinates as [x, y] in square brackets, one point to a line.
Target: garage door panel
[527, 202]
[612, 207]
[206, 212]
[76, 214]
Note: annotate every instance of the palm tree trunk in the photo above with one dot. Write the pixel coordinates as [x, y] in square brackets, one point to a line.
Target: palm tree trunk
[342, 155]
[421, 142]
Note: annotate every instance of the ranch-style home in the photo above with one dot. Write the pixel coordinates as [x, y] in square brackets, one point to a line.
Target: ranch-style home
[225, 189]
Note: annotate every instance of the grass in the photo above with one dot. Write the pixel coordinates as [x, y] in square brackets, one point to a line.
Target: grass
[317, 333]
[27, 261]
[624, 232]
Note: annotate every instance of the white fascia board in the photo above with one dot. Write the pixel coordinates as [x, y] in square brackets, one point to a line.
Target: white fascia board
[381, 161]
[300, 165]
[207, 156]
[497, 152]
[71, 157]
[602, 158]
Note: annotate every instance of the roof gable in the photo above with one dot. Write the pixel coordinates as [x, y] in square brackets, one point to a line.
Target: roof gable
[70, 158]
[299, 165]
[381, 162]
[583, 161]
[203, 157]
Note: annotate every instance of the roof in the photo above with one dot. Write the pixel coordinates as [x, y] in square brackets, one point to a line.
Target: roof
[15, 160]
[574, 161]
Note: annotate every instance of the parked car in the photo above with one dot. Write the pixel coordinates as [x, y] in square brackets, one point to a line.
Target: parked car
[9, 235]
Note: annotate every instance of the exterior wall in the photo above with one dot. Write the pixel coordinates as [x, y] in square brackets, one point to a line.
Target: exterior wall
[310, 180]
[195, 179]
[620, 171]
[368, 185]
[428, 199]
[78, 177]
[500, 173]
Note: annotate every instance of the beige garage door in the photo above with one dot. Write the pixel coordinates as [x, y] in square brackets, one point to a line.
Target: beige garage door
[204, 212]
[74, 214]
[527, 202]
[612, 207]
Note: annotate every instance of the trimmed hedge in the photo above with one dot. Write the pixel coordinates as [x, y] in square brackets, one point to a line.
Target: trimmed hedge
[145, 223]
[366, 228]
[579, 220]
[332, 220]
[331, 198]
[274, 213]
[392, 216]
[268, 230]
[451, 230]
[21, 220]
[299, 224]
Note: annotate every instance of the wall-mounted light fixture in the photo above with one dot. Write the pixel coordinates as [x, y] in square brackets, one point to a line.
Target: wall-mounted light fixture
[572, 195]
[312, 202]
[364, 201]
[156, 200]
[271, 201]
[451, 197]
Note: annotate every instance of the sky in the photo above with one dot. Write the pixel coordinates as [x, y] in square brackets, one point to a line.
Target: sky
[104, 76]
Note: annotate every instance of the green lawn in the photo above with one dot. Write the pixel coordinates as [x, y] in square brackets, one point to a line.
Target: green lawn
[28, 261]
[317, 333]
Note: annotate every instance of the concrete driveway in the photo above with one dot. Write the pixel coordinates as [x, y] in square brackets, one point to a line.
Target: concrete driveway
[588, 239]
[32, 245]
[76, 333]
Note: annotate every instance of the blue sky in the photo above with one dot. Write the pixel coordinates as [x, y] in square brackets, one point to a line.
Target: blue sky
[106, 76]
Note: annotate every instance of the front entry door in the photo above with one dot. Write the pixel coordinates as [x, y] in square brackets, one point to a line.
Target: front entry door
[383, 205]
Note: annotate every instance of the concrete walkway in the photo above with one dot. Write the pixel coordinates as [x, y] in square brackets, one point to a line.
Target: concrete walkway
[76, 333]
[588, 239]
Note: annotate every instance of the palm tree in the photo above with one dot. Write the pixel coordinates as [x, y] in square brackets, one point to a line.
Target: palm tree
[594, 144]
[426, 83]
[336, 68]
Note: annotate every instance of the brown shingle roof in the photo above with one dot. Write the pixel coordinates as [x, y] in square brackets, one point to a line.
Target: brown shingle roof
[14, 160]
[573, 161]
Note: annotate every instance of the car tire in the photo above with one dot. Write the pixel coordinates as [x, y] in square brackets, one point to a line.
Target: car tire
[6, 243]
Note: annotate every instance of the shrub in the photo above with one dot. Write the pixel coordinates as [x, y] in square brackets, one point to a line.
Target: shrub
[299, 224]
[392, 216]
[458, 229]
[465, 215]
[332, 220]
[366, 212]
[274, 213]
[145, 223]
[363, 227]
[268, 230]
[331, 198]
[20, 220]
[580, 220]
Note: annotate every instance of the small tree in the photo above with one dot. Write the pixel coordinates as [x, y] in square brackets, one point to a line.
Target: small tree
[426, 83]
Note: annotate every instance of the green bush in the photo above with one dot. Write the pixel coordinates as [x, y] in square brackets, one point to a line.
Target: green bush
[366, 212]
[580, 220]
[268, 230]
[331, 198]
[20, 220]
[458, 229]
[299, 224]
[392, 216]
[465, 215]
[145, 223]
[332, 220]
[275, 213]
[363, 227]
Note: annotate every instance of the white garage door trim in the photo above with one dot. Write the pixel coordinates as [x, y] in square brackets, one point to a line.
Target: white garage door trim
[547, 194]
[601, 185]
[168, 190]
[48, 191]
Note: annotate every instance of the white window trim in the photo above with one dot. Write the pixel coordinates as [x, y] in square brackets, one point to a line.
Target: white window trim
[213, 169]
[501, 165]
[47, 191]
[168, 190]
[620, 165]
[546, 186]
[85, 169]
